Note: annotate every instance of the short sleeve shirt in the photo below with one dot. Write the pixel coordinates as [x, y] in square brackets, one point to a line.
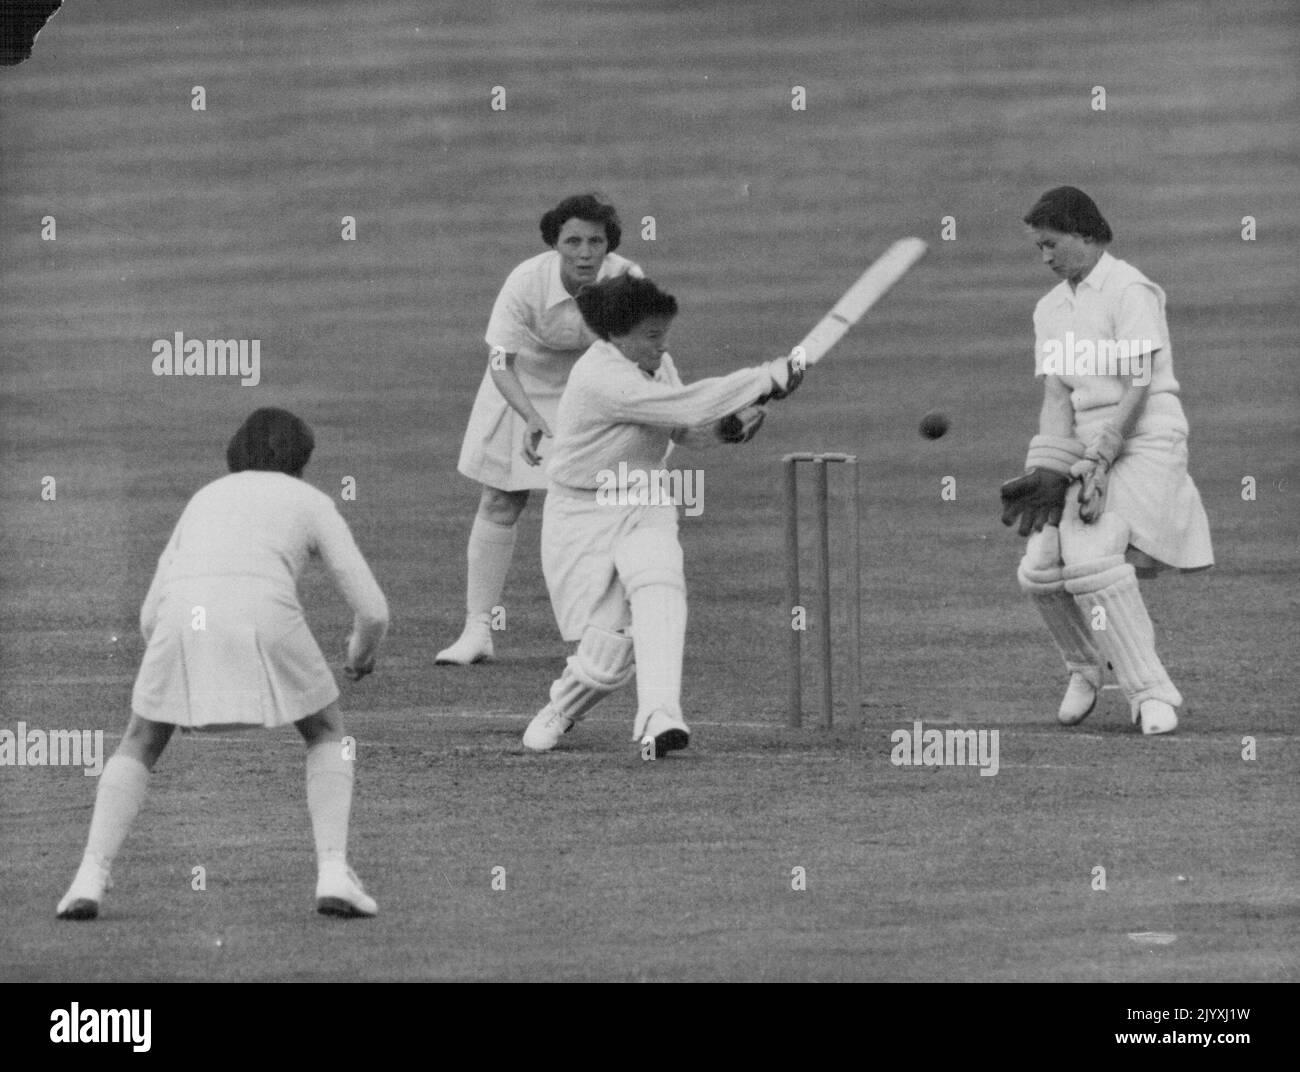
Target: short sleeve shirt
[535, 318]
[1102, 334]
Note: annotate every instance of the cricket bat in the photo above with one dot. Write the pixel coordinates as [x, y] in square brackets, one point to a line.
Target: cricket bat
[871, 286]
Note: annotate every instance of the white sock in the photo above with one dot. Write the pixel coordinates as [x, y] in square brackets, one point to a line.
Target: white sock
[329, 799]
[122, 786]
[491, 547]
[659, 639]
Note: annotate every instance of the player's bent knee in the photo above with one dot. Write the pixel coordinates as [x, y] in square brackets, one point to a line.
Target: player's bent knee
[604, 659]
[145, 740]
[1085, 578]
[650, 557]
[501, 507]
[1039, 572]
[326, 724]
[1039, 581]
[1104, 538]
[1043, 548]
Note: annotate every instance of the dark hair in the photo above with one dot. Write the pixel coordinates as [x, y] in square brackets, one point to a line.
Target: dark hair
[589, 207]
[616, 306]
[271, 440]
[1070, 211]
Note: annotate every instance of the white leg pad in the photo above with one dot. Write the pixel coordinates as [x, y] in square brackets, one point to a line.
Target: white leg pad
[602, 664]
[1128, 637]
[1043, 580]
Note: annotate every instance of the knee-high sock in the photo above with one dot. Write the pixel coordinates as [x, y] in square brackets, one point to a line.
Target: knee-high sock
[659, 639]
[491, 547]
[122, 786]
[1127, 637]
[329, 798]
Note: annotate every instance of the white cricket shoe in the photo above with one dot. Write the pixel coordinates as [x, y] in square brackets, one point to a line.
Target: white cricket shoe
[1079, 701]
[669, 732]
[339, 892]
[546, 729]
[473, 646]
[1155, 716]
[87, 890]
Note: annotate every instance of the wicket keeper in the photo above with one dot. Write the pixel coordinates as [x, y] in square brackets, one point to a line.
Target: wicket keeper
[1107, 496]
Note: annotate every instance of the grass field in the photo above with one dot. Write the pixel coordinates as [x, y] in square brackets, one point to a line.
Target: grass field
[226, 223]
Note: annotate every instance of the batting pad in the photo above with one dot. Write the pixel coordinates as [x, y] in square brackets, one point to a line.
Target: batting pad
[1127, 639]
[1065, 621]
[602, 664]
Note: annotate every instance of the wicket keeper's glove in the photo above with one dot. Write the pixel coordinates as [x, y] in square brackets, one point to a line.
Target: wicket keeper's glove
[1038, 497]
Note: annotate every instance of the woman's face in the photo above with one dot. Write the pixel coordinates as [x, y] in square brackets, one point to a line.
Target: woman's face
[1069, 256]
[581, 246]
[645, 343]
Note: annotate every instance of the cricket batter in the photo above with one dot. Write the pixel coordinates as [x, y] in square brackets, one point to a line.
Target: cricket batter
[534, 336]
[611, 557]
[1106, 496]
[228, 645]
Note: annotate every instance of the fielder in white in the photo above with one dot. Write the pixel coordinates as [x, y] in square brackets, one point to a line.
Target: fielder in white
[610, 552]
[228, 645]
[534, 336]
[1106, 497]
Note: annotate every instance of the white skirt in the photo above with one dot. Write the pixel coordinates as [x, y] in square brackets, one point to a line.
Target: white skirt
[1150, 487]
[492, 450]
[254, 662]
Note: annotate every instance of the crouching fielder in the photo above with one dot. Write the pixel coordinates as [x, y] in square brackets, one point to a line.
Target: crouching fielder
[1106, 496]
[610, 552]
[228, 645]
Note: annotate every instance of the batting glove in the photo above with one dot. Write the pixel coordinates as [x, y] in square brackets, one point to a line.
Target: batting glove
[742, 426]
[787, 375]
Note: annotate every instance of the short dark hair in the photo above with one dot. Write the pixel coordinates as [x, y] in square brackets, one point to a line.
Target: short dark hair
[590, 207]
[616, 306]
[271, 440]
[1070, 211]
